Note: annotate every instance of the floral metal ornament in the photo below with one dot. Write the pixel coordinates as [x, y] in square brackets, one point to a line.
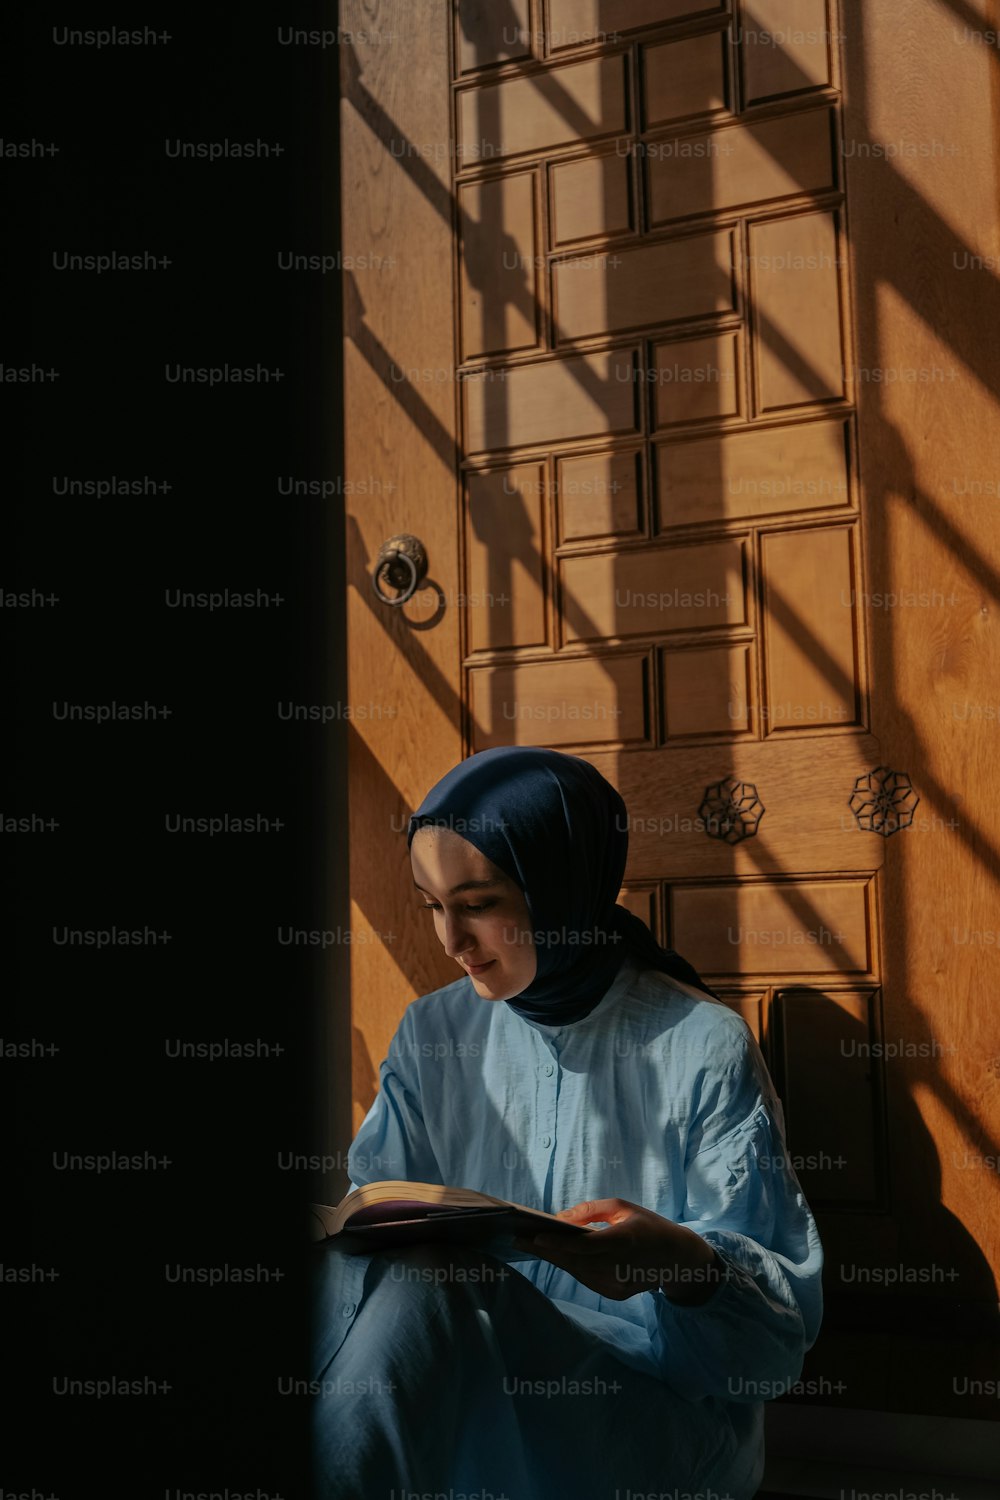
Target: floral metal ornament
[883, 801]
[731, 810]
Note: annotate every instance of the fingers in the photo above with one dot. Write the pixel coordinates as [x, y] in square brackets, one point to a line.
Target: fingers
[607, 1210]
[609, 1280]
[546, 1248]
[582, 1249]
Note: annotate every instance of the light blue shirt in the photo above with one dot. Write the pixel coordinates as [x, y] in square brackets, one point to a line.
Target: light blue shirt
[659, 1096]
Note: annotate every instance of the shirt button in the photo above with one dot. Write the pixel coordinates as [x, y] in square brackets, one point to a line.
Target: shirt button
[549, 1070]
[546, 1140]
[348, 1309]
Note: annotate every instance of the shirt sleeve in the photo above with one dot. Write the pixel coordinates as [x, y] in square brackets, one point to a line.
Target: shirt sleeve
[746, 1343]
[392, 1141]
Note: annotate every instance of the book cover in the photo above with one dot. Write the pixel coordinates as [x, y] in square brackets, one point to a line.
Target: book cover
[383, 1214]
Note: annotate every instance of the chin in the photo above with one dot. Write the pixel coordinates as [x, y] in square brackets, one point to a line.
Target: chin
[490, 989]
[503, 988]
[487, 987]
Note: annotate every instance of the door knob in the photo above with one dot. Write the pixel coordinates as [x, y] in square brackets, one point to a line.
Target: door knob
[402, 561]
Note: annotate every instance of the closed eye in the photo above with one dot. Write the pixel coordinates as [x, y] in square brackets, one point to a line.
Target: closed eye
[434, 906]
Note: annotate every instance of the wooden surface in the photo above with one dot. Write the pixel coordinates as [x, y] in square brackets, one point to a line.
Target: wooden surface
[399, 476]
[717, 497]
[926, 438]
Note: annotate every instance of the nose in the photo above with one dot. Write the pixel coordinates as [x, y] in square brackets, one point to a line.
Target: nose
[455, 939]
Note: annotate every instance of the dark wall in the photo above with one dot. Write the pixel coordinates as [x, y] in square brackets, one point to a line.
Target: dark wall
[160, 1040]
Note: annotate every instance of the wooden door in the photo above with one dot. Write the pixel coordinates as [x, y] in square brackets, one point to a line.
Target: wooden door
[660, 337]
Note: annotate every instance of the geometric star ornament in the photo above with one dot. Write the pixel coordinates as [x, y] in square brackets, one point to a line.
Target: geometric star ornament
[883, 801]
[731, 810]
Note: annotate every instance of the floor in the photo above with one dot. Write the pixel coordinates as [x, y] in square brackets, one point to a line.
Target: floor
[822, 1453]
[798, 1481]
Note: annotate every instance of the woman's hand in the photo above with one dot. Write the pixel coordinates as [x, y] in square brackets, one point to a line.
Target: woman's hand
[638, 1252]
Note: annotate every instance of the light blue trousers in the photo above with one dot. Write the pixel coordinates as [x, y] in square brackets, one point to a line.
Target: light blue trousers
[443, 1372]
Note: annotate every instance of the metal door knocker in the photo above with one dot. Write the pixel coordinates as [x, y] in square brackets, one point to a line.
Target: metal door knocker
[403, 560]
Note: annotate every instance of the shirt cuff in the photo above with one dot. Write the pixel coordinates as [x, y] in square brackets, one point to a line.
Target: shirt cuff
[731, 1278]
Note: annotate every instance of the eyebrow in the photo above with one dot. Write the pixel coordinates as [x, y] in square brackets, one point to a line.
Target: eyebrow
[467, 885]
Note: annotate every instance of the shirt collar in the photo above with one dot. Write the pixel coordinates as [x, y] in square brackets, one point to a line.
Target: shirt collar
[622, 981]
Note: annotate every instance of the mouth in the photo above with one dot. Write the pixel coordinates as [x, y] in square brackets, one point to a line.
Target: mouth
[479, 968]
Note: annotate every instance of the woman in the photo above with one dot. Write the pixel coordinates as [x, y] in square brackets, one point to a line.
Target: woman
[577, 1067]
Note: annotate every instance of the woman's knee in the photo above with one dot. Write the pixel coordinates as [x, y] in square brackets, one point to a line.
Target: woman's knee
[437, 1272]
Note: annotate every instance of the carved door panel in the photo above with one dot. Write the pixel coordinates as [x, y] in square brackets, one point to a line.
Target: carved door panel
[641, 239]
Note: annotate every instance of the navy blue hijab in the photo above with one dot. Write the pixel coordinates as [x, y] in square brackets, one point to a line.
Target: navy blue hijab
[557, 828]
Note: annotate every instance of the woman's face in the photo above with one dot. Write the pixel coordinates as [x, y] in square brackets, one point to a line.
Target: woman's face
[485, 927]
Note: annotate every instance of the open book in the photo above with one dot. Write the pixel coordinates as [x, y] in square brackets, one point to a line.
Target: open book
[405, 1213]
